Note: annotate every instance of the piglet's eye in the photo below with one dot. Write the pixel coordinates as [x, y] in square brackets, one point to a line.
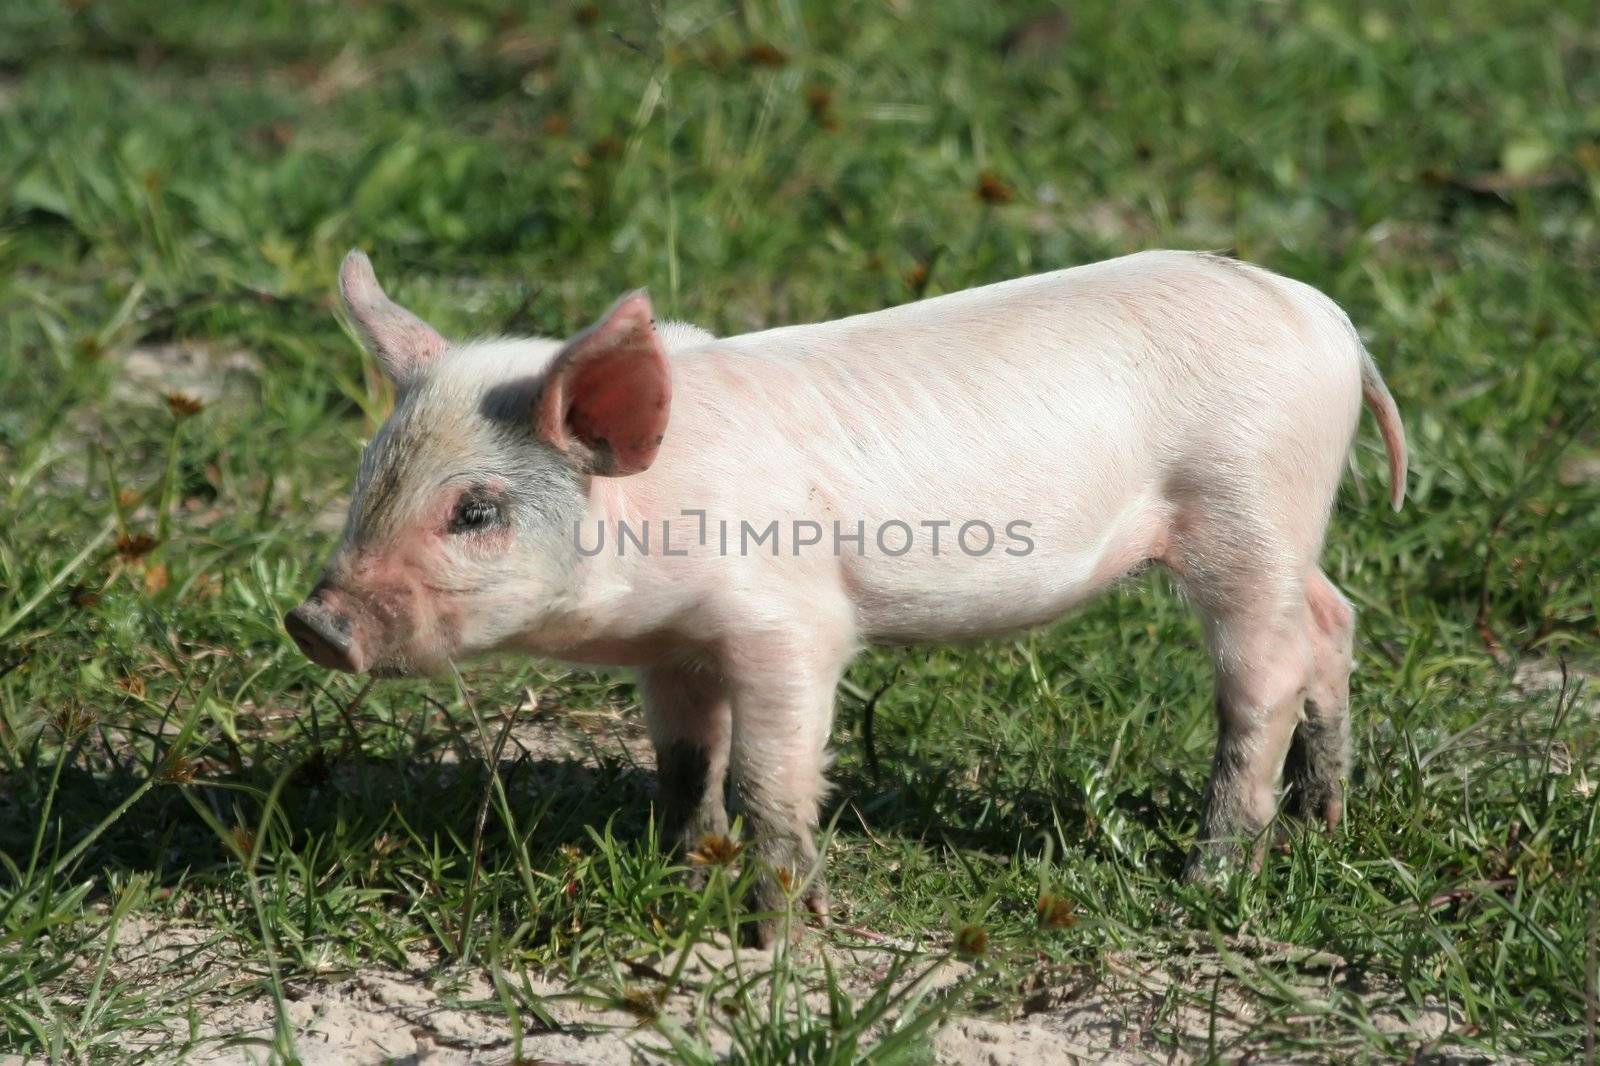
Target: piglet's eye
[475, 512]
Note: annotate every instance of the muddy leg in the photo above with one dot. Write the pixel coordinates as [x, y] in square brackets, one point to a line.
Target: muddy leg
[1263, 665]
[1319, 757]
[783, 693]
[687, 713]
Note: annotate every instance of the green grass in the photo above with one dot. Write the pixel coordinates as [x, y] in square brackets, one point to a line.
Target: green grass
[185, 177]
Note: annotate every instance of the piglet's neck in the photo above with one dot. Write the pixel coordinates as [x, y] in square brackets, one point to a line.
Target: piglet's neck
[608, 500]
[611, 616]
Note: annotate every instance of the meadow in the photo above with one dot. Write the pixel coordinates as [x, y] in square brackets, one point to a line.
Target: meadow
[207, 844]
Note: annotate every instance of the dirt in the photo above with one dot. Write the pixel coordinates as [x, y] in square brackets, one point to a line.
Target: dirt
[197, 371]
[380, 1016]
[1577, 681]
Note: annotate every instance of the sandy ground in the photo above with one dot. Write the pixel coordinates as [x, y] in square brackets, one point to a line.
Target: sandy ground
[1136, 1011]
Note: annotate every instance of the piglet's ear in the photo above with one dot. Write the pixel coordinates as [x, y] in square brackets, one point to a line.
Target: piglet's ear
[605, 398]
[402, 343]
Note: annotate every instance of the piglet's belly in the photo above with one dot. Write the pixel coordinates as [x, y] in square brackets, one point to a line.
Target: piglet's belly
[1031, 576]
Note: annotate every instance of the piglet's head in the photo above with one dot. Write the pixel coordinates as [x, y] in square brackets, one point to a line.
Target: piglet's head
[459, 537]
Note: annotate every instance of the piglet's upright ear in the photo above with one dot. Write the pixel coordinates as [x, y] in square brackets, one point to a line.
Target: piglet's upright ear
[402, 343]
[605, 399]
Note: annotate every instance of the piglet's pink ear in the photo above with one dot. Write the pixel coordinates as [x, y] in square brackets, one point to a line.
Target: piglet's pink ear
[605, 398]
[402, 343]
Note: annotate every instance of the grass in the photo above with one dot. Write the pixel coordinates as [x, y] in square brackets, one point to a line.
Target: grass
[177, 185]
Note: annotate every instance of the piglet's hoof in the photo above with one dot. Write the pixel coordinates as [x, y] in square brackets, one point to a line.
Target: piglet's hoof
[1320, 805]
[774, 917]
[1212, 862]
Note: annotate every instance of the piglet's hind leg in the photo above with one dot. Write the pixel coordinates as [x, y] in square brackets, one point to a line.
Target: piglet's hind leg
[1261, 687]
[1319, 757]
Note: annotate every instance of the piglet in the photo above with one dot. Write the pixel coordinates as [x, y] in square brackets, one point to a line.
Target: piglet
[735, 518]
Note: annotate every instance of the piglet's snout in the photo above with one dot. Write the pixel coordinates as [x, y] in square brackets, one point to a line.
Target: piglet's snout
[327, 635]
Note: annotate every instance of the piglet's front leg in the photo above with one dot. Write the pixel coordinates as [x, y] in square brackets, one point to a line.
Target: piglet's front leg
[783, 691]
[687, 713]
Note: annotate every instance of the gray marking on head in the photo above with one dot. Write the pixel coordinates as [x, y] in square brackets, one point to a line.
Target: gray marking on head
[443, 428]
